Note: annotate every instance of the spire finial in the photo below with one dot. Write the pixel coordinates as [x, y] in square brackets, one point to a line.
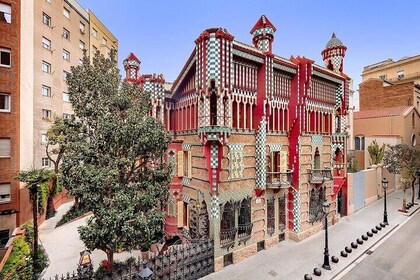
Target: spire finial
[333, 35]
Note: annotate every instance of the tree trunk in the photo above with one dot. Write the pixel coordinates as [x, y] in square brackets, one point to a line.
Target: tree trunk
[110, 257]
[413, 181]
[52, 190]
[35, 217]
[404, 206]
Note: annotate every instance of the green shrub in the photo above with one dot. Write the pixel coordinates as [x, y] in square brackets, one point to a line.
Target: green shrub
[17, 259]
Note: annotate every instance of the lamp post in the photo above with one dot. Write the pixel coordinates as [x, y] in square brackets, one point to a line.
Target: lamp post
[326, 210]
[385, 186]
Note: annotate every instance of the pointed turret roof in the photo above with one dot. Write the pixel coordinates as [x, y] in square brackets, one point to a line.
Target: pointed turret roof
[132, 57]
[263, 22]
[333, 42]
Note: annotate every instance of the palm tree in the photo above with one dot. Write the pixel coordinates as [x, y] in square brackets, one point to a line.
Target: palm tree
[33, 179]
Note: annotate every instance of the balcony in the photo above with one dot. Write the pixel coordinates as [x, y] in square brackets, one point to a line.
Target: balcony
[227, 237]
[319, 176]
[244, 230]
[279, 180]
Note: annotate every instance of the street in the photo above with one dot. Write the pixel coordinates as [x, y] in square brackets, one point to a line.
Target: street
[397, 257]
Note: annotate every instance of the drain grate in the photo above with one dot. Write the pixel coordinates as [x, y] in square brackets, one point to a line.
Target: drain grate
[369, 252]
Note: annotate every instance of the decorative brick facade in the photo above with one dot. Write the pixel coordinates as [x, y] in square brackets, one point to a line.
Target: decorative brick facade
[262, 130]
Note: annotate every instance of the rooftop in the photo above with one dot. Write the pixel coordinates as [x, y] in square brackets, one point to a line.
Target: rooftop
[383, 112]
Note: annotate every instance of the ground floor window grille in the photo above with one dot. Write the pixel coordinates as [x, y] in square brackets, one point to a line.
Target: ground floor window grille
[244, 219]
[227, 225]
[270, 216]
[316, 199]
[282, 212]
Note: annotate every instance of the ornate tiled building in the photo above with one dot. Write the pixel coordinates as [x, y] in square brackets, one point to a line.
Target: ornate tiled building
[258, 141]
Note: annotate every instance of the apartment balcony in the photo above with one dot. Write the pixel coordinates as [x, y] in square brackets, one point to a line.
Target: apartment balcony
[279, 180]
[319, 176]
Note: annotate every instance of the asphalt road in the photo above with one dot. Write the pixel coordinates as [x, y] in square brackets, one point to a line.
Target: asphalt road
[398, 257]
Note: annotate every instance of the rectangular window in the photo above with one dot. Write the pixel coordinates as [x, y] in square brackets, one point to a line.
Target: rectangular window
[82, 28]
[45, 162]
[5, 13]
[66, 97]
[46, 44]
[4, 192]
[94, 49]
[5, 57]
[382, 77]
[5, 147]
[65, 75]
[46, 114]
[104, 41]
[66, 34]
[4, 102]
[46, 91]
[66, 55]
[46, 67]
[4, 236]
[46, 19]
[66, 13]
[44, 139]
[94, 33]
[81, 45]
[400, 74]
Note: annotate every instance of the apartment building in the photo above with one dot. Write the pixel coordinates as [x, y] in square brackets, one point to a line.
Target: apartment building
[101, 39]
[404, 69]
[9, 115]
[42, 40]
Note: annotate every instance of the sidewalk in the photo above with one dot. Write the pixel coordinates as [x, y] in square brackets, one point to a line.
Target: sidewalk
[291, 260]
[63, 245]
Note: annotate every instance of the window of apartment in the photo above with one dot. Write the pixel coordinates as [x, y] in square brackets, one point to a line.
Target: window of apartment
[66, 34]
[5, 13]
[82, 28]
[400, 74]
[104, 41]
[44, 139]
[359, 143]
[80, 61]
[46, 91]
[5, 57]
[4, 102]
[65, 75]
[66, 55]
[46, 19]
[94, 49]
[4, 192]
[45, 162]
[81, 45]
[382, 77]
[46, 114]
[66, 12]
[5, 147]
[94, 32]
[66, 97]
[46, 67]
[46, 44]
[4, 237]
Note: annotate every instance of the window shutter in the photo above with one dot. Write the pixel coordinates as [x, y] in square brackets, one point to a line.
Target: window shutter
[180, 213]
[5, 148]
[189, 164]
[283, 161]
[180, 163]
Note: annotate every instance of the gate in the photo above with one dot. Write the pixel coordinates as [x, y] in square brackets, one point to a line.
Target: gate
[359, 190]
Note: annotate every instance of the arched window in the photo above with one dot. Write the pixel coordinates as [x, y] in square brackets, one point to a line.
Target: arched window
[317, 159]
[362, 143]
[357, 143]
[213, 105]
[227, 225]
[244, 219]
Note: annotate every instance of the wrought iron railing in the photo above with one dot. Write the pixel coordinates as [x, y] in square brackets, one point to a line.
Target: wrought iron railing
[227, 236]
[271, 225]
[318, 176]
[244, 230]
[279, 179]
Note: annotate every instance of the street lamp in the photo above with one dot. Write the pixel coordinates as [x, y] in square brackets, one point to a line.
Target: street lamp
[85, 258]
[145, 272]
[326, 210]
[385, 186]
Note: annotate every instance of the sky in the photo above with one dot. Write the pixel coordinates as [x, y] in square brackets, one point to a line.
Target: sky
[162, 33]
